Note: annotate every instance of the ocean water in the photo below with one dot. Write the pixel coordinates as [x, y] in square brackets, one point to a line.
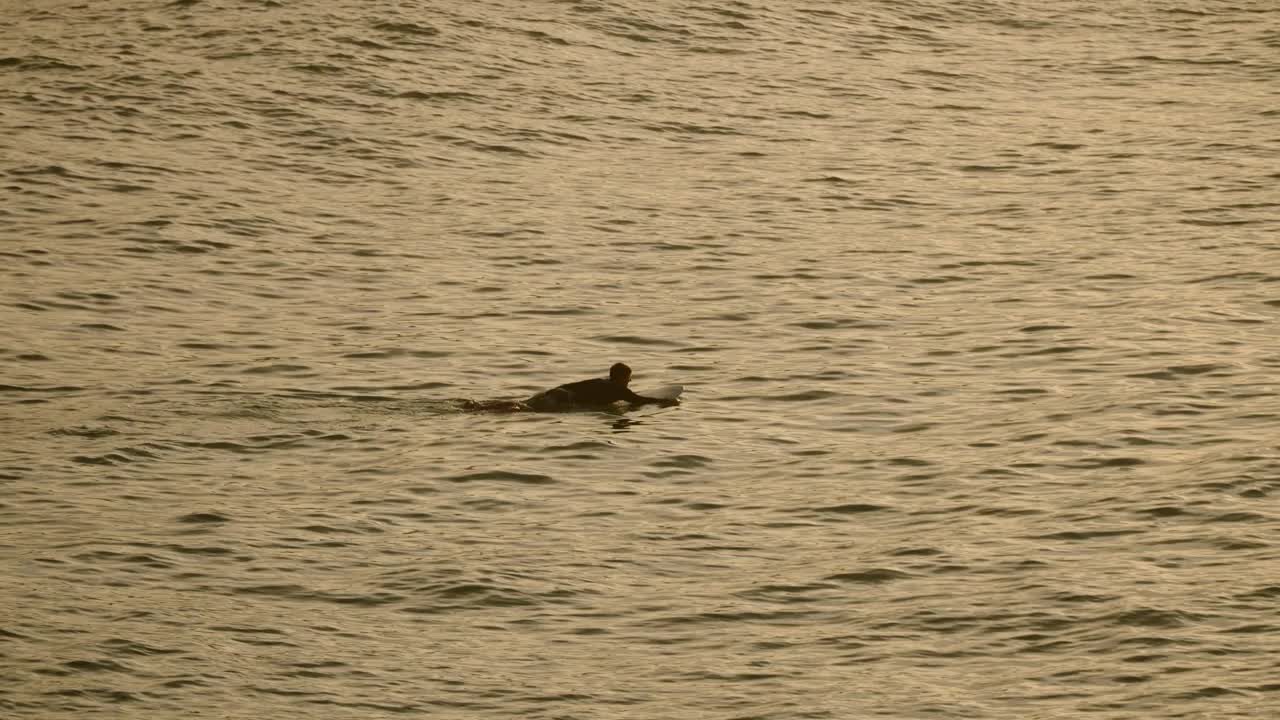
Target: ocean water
[976, 304]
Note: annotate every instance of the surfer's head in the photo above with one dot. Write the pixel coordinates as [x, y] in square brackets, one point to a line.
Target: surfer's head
[620, 374]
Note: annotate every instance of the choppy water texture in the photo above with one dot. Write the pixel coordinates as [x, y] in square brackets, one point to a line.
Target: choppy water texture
[977, 306]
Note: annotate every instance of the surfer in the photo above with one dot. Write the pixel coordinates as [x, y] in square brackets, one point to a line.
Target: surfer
[593, 393]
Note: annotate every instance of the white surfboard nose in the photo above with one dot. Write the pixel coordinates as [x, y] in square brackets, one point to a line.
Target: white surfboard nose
[666, 392]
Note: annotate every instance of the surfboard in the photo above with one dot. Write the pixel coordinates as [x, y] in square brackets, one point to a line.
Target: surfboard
[666, 392]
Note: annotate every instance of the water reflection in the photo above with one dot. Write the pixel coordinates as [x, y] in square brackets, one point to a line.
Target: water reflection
[624, 424]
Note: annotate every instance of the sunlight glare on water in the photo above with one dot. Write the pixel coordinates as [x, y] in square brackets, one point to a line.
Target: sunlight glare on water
[975, 306]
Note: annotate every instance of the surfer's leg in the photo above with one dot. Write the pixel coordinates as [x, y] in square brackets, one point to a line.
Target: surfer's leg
[554, 400]
[493, 406]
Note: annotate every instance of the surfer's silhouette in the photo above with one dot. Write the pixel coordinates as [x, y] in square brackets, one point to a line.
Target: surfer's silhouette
[593, 394]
